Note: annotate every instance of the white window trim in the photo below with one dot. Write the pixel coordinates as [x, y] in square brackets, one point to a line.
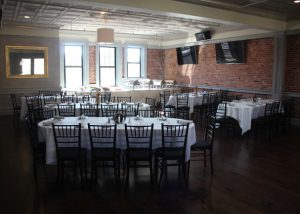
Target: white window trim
[85, 60]
[143, 60]
[118, 63]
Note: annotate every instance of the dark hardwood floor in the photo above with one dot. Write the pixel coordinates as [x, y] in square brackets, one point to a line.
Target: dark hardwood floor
[250, 176]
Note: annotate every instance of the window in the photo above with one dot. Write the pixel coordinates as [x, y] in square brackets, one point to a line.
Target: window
[73, 66]
[133, 62]
[107, 66]
[31, 66]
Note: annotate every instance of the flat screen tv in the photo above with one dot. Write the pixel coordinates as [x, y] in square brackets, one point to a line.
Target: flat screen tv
[187, 55]
[230, 52]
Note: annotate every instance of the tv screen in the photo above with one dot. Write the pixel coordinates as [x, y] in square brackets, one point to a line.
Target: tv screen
[230, 52]
[187, 55]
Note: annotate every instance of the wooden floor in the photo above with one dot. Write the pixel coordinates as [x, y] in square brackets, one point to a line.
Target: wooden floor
[250, 177]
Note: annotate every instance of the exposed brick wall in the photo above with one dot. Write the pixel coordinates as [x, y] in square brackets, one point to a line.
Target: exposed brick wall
[292, 74]
[256, 73]
[92, 64]
[155, 63]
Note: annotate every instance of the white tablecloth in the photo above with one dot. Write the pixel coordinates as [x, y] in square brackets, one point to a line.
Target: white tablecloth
[246, 110]
[46, 133]
[193, 100]
[24, 110]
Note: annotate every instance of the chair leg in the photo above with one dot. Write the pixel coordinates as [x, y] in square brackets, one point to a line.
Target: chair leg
[34, 168]
[151, 172]
[184, 172]
[188, 170]
[204, 159]
[85, 170]
[211, 162]
[161, 172]
[58, 172]
[127, 174]
[156, 169]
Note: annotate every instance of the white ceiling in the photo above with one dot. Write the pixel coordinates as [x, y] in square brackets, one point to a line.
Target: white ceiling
[90, 15]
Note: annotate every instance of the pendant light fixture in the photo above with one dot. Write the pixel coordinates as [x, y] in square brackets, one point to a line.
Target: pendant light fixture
[105, 35]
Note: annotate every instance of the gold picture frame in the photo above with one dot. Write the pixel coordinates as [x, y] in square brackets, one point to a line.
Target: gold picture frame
[26, 62]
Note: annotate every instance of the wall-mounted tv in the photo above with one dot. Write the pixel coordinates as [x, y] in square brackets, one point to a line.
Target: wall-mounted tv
[230, 52]
[187, 55]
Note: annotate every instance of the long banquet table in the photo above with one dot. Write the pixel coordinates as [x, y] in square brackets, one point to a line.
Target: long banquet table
[24, 109]
[245, 110]
[46, 133]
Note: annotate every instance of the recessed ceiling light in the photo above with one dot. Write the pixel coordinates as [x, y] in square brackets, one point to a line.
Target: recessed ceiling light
[26, 17]
[296, 1]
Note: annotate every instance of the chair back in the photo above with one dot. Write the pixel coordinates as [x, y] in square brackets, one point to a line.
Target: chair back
[268, 110]
[183, 113]
[83, 99]
[205, 100]
[147, 113]
[151, 101]
[88, 109]
[174, 137]
[66, 110]
[32, 129]
[102, 136]
[14, 100]
[109, 110]
[106, 97]
[124, 99]
[45, 92]
[40, 114]
[67, 137]
[50, 99]
[33, 102]
[210, 129]
[221, 111]
[68, 99]
[276, 108]
[182, 101]
[139, 137]
[169, 112]
[130, 109]
[164, 98]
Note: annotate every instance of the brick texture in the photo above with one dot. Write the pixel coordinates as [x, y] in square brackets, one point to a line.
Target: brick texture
[92, 64]
[256, 73]
[155, 63]
[292, 73]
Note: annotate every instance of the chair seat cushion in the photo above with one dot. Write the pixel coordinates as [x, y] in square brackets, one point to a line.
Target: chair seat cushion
[105, 153]
[71, 153]
[201, 145]
[139, 154]
[170, 153]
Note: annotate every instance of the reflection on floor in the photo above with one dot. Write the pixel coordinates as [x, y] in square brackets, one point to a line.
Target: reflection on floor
[250, 177]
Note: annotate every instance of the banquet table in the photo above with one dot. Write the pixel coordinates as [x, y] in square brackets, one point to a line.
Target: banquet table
[245, 110]
[46, 133]
[193, 100]
[24, 109]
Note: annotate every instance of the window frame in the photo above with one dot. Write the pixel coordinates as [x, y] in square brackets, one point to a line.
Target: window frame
[115, 62]
[143, 60]
[84, 58]
[118, 58]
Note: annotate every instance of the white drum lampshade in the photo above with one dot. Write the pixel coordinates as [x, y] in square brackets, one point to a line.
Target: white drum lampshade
[105, 35]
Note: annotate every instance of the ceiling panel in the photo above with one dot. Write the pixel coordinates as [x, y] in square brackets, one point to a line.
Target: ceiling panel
[277, 9]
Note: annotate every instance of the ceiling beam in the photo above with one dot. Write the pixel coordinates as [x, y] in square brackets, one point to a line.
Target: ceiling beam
[184, 9]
